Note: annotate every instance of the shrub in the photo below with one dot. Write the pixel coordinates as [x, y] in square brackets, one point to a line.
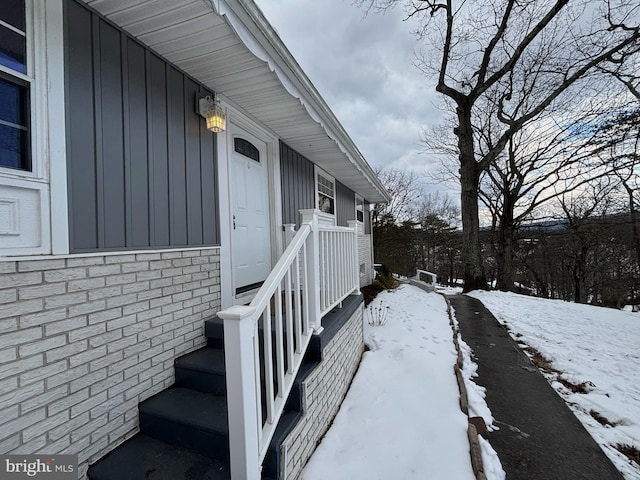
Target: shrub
[386, 279]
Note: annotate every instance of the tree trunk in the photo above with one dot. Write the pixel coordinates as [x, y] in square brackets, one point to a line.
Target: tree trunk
[452, 280]
[474, 277]
[504, 255]
[505, 263]
[580, 276]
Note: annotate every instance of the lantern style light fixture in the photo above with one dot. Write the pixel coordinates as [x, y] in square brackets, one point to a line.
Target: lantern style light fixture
[210, 109]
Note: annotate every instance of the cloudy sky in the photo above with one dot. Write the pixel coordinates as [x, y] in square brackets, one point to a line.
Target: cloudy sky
[363, 68]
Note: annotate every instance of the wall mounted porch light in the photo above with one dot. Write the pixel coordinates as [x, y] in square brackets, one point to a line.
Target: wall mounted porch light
[209, 108]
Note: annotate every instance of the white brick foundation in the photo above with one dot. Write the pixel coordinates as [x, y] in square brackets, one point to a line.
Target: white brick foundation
[84, 339]
[365, 259]
[323, 392]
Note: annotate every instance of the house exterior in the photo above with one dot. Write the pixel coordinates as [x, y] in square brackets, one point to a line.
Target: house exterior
[126, 225]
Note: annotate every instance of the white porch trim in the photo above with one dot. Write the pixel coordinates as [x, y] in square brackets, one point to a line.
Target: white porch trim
[224, 150]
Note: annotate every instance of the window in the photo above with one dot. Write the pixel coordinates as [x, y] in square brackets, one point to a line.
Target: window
[246, 148]
[359, 209]
[326, 194]
[15, 86]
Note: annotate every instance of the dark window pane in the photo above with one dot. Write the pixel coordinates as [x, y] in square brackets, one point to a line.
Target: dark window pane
[13, 103]
[14, 147]
[12, 12]
[13, 50]
[246, 148]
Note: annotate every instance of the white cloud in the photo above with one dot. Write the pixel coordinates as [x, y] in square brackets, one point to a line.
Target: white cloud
[362, 66]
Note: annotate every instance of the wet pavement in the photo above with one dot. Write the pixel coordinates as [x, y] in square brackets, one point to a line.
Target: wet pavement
[539, 438]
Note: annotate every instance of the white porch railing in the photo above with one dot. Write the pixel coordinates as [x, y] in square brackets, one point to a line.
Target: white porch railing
[269, 337]
[339, 265]
[427, 277]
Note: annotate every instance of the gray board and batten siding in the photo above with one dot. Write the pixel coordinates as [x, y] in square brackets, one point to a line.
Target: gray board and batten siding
[345, 204]
[141, 164]
[298, 186]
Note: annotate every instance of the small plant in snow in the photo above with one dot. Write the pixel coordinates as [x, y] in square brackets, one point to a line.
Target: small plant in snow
[377, 315]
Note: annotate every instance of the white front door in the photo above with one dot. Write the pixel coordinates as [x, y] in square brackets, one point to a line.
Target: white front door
[250, 229]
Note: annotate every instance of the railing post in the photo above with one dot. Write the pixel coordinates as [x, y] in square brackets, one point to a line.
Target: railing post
[240, 353]
[310, 217]
[356, 269]
[289, 232]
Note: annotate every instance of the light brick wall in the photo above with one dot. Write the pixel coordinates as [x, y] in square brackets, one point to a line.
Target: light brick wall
[84, 339]
[323, 392]
[365, 257]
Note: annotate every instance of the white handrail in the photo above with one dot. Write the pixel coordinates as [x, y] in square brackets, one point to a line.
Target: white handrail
[314, 274]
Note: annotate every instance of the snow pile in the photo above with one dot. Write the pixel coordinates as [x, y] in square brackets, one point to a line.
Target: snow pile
[401, 417]
[476, 393]
[448, 290]
[592, 349]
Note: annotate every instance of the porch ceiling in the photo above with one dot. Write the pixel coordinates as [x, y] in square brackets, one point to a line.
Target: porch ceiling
[230, 47]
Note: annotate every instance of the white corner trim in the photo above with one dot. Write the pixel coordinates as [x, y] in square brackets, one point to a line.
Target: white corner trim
[54, 42]
[224, 202]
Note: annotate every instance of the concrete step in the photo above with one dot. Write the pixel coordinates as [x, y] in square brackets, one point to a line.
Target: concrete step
[214, 331]
[188, 419]
[202, 370]
[145, 458]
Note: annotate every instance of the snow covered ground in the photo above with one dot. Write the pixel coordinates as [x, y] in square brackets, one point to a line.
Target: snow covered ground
[593, 347]
[401, 417]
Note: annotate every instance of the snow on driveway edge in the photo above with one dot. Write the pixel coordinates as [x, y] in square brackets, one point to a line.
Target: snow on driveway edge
[484, 459]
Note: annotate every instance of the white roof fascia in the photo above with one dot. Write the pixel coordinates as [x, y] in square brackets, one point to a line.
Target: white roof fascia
[249, 22]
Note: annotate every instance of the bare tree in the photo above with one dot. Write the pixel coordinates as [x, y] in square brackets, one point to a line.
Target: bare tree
[622, 133]
[541, 163]
[405, 189]
[517, 58]
[437, 220]
[580, 210]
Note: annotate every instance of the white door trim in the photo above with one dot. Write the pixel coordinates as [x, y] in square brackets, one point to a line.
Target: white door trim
[224, 151]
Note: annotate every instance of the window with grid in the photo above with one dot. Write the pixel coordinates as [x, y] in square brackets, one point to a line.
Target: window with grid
[15, 87]
[326, 194]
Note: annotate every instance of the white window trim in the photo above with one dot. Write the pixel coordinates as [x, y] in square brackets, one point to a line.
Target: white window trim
[47, 179]
[325, 218]
[30, 77]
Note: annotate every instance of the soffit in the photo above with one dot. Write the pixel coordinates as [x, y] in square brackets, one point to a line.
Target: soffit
[259, 76]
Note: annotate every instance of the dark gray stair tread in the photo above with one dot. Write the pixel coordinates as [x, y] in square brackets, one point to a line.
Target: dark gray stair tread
[145, 458]
[214, 328]
[210, 360]
[189, 407]
[286, 423]
[305, 369]
[272, 459]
